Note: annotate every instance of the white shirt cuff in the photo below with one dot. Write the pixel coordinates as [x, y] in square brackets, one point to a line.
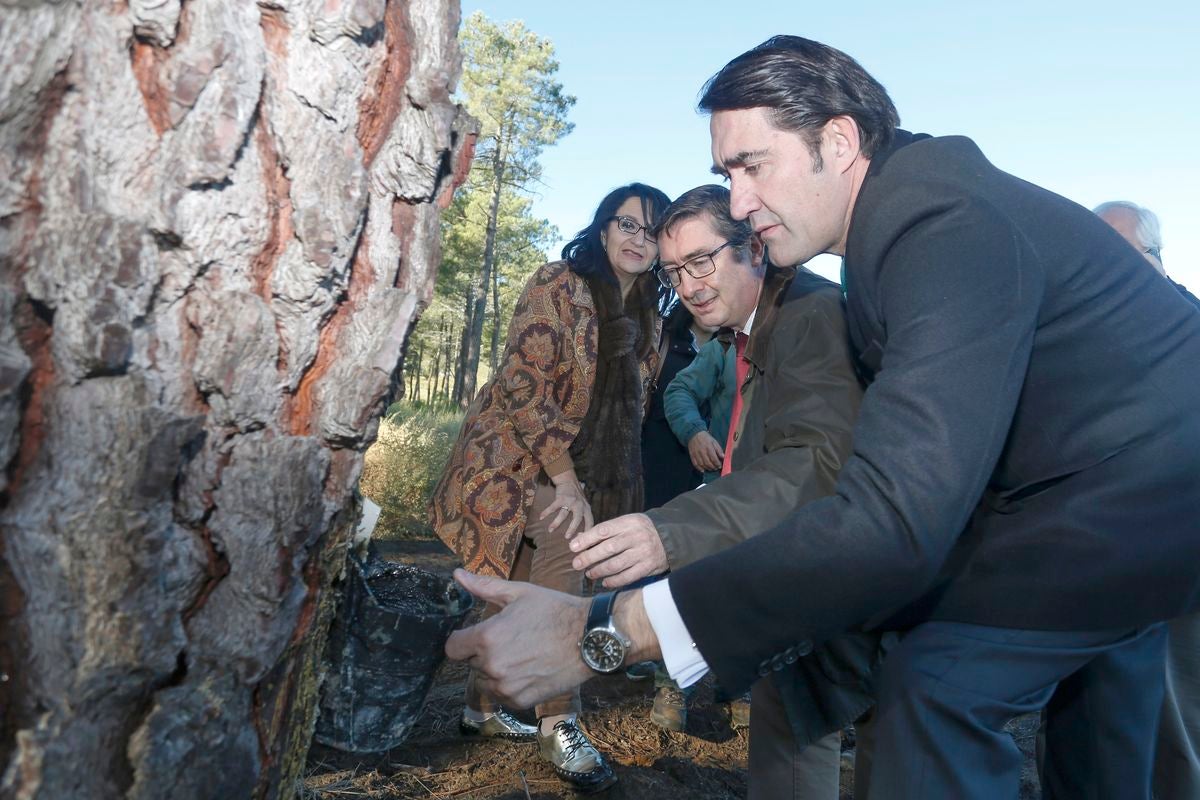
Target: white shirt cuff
[680, 654]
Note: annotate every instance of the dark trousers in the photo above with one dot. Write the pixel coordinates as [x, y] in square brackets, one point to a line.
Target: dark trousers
[779, 770]
[947, 690]
[1177, 762]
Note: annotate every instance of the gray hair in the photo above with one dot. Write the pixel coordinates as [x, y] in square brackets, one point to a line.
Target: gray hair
[1148, 231]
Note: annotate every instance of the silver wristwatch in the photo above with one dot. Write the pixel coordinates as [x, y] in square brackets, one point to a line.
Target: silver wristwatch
[603, 647]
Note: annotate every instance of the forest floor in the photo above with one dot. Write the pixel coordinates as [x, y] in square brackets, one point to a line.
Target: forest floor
[705, 762]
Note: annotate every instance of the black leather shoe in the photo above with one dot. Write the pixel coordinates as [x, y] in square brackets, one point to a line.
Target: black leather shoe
[498, 725]
[575, 759]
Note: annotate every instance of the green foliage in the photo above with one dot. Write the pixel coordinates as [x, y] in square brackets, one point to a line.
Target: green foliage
[520, 245]
[404, 464]
[491, 241]
[509, 84]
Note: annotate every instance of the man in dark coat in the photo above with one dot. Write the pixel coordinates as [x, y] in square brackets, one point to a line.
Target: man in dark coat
[1023, 494]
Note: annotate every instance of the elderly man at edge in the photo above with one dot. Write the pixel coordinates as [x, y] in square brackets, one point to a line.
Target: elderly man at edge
[1139, 226]
[1177, 754]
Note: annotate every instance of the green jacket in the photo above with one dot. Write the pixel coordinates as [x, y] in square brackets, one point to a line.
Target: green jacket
[709, 378]
[799, 404]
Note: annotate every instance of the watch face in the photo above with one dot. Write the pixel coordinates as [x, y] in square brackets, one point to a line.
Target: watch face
[603, 651]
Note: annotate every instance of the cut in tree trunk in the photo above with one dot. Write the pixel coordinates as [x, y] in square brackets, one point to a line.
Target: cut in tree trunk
[218, 221]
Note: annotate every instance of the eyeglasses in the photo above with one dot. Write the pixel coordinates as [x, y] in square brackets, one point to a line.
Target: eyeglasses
[632, 226]
[698, 267]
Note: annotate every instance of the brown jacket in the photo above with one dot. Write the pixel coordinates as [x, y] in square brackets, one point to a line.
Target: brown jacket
[522, 422]
[799, 404]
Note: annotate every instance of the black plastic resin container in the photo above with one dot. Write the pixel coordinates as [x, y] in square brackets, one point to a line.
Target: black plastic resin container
[384, 648]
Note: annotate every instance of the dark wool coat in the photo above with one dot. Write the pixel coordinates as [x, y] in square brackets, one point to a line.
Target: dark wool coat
[1028, 450]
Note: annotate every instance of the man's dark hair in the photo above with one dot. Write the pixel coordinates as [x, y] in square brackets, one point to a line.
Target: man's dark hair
[712, 200]
[805, 84]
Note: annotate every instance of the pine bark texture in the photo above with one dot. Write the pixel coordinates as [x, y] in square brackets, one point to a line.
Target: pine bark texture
[218, 222]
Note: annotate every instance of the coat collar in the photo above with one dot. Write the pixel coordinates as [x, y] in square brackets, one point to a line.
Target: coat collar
[578, 293]
[775, 284]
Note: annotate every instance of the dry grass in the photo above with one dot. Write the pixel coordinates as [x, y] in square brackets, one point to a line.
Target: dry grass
[707, 762]
[401, 468]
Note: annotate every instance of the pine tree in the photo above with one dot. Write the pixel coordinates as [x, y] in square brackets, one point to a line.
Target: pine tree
[509, 84]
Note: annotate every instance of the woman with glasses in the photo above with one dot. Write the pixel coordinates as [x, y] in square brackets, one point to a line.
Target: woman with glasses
[552, 443]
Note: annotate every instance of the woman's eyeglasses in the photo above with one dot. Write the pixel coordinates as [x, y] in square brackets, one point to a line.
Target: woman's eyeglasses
[698, 267]
[632, 226]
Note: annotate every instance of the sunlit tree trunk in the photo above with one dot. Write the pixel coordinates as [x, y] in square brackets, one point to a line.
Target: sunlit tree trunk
[464, 346]
[494, 357]
[473, 333]
[217, 221]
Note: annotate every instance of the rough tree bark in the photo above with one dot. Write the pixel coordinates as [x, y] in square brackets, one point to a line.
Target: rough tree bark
[218, 221]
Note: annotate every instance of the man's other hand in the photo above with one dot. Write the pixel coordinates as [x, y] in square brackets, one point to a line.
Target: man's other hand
[620, 551]
[706, 452]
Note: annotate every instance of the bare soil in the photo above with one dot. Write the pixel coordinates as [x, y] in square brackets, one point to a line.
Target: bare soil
[705, 762]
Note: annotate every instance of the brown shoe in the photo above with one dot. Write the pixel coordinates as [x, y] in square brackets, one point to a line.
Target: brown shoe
[670, 709]
[575, 759]
[739, 712]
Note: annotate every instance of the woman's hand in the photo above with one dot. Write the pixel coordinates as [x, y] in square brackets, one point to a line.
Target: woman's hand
[570, 505]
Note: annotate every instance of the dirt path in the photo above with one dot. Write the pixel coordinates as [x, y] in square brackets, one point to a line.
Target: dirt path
[706, 762]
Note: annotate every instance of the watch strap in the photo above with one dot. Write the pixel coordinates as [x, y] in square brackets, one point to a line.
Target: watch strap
[600, 611]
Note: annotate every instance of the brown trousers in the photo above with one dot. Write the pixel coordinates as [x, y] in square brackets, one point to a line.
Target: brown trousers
[543, 559]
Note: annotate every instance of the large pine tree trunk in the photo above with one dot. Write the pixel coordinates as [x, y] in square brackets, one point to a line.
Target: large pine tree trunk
[218, 220]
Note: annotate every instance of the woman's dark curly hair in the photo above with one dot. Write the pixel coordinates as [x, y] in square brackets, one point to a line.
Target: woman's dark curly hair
[586, 256]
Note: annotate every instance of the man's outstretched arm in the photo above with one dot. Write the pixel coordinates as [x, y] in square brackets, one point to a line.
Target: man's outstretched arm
[529, 651]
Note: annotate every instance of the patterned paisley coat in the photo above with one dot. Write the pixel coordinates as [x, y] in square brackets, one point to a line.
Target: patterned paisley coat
[524, 418]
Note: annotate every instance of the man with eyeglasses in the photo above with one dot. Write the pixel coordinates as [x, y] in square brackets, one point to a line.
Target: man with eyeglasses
[793, 411]
[1022, 499]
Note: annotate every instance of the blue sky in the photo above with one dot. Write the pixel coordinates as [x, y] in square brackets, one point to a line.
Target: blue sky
[1094, 100]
